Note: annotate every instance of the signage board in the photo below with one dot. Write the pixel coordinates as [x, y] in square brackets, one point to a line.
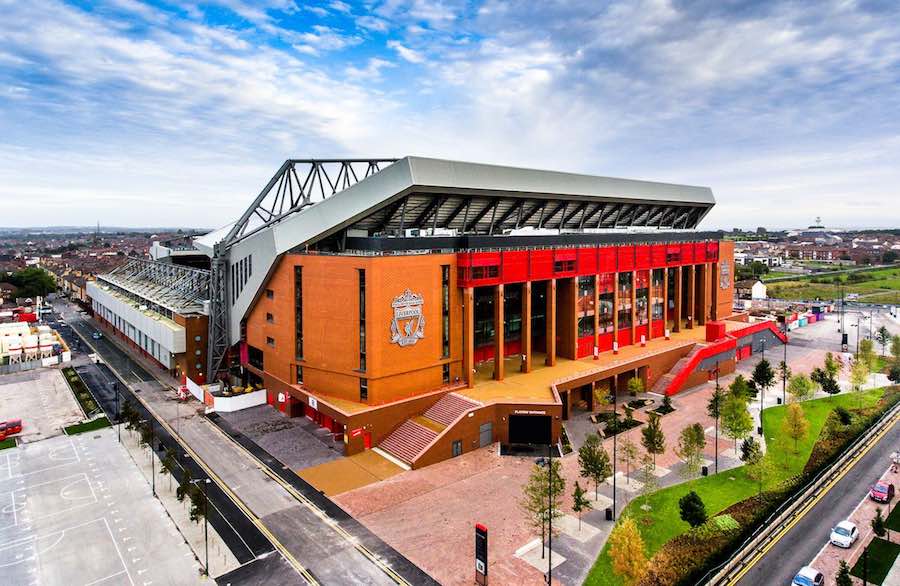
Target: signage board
[481, 554]
[313, 403]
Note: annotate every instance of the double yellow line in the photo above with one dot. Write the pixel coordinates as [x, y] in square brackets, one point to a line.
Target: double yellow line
[812, 503]
[310, 579]
[369, 554]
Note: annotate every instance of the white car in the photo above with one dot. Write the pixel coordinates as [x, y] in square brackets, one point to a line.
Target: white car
[844, 534]
[808, 576]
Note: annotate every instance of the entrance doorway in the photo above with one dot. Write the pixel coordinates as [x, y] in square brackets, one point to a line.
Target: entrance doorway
[485, 434]
[530, 429]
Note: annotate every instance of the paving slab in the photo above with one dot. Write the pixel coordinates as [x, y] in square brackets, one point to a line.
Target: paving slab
[532, 556]
[570, 526]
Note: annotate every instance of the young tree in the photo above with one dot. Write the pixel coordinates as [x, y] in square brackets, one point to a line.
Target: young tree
[859, 374]
[833, 365]
[628, 454]
[736, 420]
[883, 337]
[760, 468]
[580, 503]
[750, 450]
[692, 509]
[842, 578]
[714, 410]
[184, 486]
[878, 526]
[763, 376]
[197, 498]
[626, 549]
[800, 387]
[594, 462]
[168, 464]
[666, 405]
[540, 510]
[822, 378]
[895, 348]
[652, 437]
[691, 442]
[866, 354]
[784, 372]
[795, 425]
[649, 480]
[635, 386]
[739, 388]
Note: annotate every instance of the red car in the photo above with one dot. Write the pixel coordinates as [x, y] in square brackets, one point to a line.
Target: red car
[882, 492]
[10, 427]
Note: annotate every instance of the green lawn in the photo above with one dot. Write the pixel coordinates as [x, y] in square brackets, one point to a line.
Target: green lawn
[893, 520]
[882, 554]
[8, 443]
[880, 286]
[86, 426]
[723, 490]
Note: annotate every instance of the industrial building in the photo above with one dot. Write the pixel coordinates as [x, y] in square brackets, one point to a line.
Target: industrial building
[423, 307]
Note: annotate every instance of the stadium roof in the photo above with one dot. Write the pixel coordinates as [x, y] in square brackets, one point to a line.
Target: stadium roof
[177, 288]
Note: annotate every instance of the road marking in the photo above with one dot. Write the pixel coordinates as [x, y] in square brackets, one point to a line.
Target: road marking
[808, 506]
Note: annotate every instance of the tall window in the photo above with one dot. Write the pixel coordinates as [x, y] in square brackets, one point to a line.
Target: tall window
[362, 323]
[625, 284]
[445, 311]
[606, 303]
[363, 389]
[298, 311]
[585, 306]
[642, 296]
[656, 294]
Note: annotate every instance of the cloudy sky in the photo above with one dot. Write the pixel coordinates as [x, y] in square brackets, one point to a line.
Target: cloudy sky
[177, 112]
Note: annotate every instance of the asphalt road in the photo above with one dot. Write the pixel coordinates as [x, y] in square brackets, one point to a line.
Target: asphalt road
[310, 539]
[804, 540]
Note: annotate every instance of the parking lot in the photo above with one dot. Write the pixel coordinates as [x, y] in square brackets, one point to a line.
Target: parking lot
[75, 510]
[42, 400]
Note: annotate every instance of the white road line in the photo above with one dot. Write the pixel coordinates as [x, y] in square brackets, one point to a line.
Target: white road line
[118, 551]
[106, 578]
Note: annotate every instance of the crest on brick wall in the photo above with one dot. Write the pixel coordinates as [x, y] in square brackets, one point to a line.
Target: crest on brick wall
[408, 325]
[724, 274]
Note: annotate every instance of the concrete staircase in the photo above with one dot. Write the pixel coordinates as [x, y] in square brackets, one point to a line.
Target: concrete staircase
[449, 408]
[663, 383]
[415, 434]
[408, 441]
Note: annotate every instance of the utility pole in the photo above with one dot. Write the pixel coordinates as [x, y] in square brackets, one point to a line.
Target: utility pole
[550, 514]
[718, 406]
[784, 378]
[203, 483]
[615, 440]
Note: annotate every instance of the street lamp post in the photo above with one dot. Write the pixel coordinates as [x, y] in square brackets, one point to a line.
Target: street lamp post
[762, 391]
[115, 388]
[718, 390]
[203, 482]
[152, 457]
[615, 442]
[784, 372]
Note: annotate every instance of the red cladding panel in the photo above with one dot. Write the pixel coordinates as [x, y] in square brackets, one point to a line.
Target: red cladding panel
[658, 255]
[642, 256]
[606, 283]
[485, 259]
[606, 341]
[715, 330]
[587, 261]
[712, 251]
[566, 254]
[608, 260]
[515, 266]
[699, 251]
[659, 328]
[638, 332]
[585, 346]
[541, 265]
[626, 258]
[687, 253]
[624, 337]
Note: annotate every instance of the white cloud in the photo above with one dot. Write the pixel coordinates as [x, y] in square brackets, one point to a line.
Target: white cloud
[406, 53]
[340, 6]
[323, 38]
[372, 70]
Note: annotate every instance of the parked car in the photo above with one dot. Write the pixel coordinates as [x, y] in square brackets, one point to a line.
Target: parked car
[96, 335]
[10, 427]
[882, 492]
[844, 534]
[808, 576]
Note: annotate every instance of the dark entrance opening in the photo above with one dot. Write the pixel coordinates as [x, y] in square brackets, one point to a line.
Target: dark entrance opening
[529, 429]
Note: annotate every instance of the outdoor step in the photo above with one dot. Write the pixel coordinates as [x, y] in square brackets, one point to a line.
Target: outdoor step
[449, 408]
[408, 441]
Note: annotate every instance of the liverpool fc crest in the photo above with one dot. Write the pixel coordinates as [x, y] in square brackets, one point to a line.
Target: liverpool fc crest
[724, 275]
[408, 326]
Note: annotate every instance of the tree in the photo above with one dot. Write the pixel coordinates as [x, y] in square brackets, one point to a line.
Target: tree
[693, 511]
[691, 442]
[736, 420]
[32, 282]
[652, 437]
[895, 348]
[894, 373]
[648, 478]
[763, 376]
[784, 372]
[184, 486]
[760, 468]
[580, 503]
[883, 337]
[859, 373]
[594, 462]
[878, 526]
[666, 405]
[541, 511]
[833, 365]
[867, 354]
[635, 386]
[198, 504]
[739, 388]
[800, 387]
[628, 454]
[822, 378]
[626, 549]
[167, 464]
[750, 450]
[714, 410]
[842, 578]
[795, 425]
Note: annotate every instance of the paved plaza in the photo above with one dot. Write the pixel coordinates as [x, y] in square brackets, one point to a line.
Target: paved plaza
[75, 511]
[42, 400]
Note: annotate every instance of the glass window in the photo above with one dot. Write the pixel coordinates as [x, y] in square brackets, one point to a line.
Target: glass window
[585, 306]
[362, 320]
[656, 294]
[298, 312]
[642, 297]
[625, 285]
[457, 448]
[445, 311]
[363, 389]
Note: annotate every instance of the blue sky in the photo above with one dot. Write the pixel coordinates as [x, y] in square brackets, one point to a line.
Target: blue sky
[176, 113]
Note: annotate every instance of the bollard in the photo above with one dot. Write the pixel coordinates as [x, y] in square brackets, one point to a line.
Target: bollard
[609, 515]
[704, 471]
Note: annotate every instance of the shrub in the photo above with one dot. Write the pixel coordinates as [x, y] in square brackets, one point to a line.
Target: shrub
[693, 511]
[843, 415]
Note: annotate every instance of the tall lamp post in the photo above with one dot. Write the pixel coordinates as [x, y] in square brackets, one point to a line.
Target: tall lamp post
[784, 378]
[718, 406]
[762, 391]
[203, 482]
[149, 422]
[115, 388]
